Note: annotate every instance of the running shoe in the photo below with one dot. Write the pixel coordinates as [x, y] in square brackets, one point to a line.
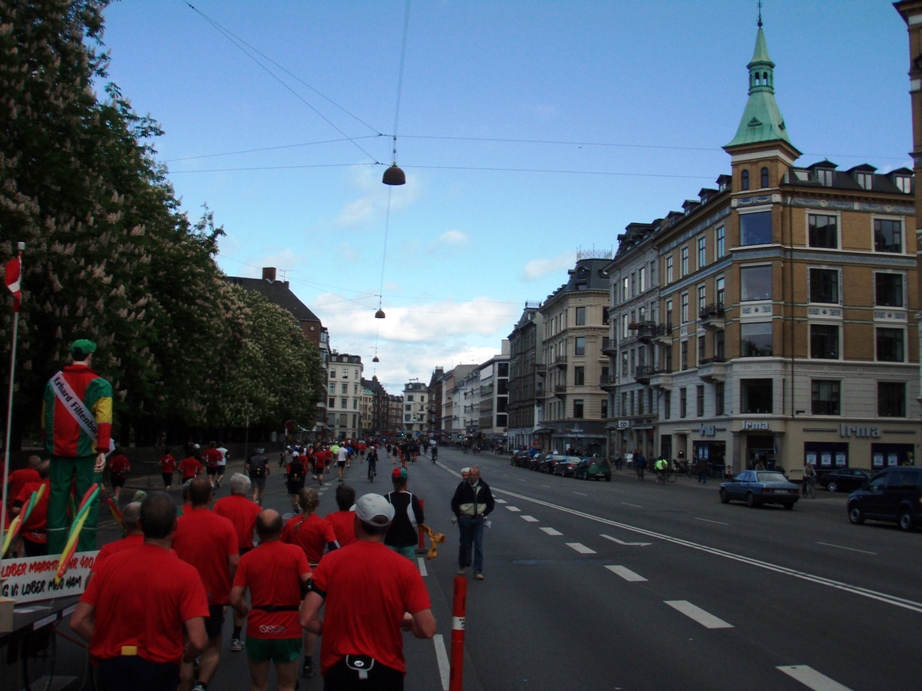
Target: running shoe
[236, 645]
[308, 670]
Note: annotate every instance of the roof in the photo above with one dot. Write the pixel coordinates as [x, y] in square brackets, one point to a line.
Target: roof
[278, 293]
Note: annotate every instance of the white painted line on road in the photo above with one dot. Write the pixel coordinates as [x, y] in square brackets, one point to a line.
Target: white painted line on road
[625, 573]
[529, 519]
[850, 549]
[513, 509]
[709, 621]
[708, 520]
[442, 656]
[636, 506]
[582, 494]
[422, 567]
[546, 486]
[500, 501]
[628, 544]
[811, 678]
[581, 548]
[551, 531]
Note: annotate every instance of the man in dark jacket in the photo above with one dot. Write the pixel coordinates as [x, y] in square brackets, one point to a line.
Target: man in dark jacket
[471, 504]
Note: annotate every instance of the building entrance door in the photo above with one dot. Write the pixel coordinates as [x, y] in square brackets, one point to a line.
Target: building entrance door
[760, 449]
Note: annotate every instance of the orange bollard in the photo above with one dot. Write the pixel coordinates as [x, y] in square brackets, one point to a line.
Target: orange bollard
[422, 542]
[459, 608]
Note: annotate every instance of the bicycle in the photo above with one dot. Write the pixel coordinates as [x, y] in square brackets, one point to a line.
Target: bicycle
[372, 471]
[809, 489]
[670, 475]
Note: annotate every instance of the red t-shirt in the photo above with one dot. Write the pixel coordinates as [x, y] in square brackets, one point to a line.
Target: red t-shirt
[167, 464]
[320, 460]
[119, 464]
[273, 574]
[213, 457]
[242, 512]
[142, 597]
[34, 528]
[111, 548]
[311, 534]
[190, 467]
[18, 479]
[206, 540]
[367, 588]
[343, 523]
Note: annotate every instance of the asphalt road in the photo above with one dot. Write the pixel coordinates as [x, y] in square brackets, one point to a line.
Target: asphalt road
[630, 585]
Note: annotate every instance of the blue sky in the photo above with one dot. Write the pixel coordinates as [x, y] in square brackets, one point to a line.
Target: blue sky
[527, 130]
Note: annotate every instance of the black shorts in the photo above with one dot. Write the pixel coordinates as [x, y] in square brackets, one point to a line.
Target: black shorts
[341, 678]
[136, 673]
[221, 469]
[117, 479]
[212, 470]
[215, 621]
[167, 479]
[295, 487]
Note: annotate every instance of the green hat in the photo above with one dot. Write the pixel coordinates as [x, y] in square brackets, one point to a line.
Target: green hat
[82, 346]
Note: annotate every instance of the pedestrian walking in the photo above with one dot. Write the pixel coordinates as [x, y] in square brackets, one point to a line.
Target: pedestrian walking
[275, 575]
[640, 463]
[167, 468]
[257, 467]
[77, 428]
[369, 594]
[119, 467]
[343, 521]
[702, 467]
[403, 534]
[471, 504]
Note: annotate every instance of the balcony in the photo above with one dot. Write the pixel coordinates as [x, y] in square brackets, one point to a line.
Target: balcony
[561, 361]
[713, 370]
[642, 373]
[609, 347]
[608, 382]
[663, 333]
[560, 390]
[711, 317]
[646, 331]
[662, 380]
[540, 368]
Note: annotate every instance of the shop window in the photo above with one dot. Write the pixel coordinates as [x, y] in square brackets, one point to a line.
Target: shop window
[756, 228]
[823, 231]
[756, 396]
[756, 339]
[890, 345]
[755, 283]
[888, 290]
[888, 235]
[891, 399]
[824, 286]
[825, 397]
[824, 341]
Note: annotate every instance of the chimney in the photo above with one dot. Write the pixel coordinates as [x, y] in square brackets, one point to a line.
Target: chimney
[268, 273]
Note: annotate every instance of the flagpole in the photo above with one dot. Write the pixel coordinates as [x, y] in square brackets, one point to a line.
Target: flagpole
[9, 409]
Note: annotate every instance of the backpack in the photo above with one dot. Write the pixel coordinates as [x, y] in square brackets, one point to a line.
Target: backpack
[296, 472]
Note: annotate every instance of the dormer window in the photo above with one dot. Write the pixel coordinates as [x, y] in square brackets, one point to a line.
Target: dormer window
[864, 180]
[824, 177]
[903, 183]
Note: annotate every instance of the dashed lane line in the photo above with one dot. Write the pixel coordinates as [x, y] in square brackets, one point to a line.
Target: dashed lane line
[513, 509]
[422, 567]
[708, 520]
[581, 548]
[812, 679]
[636, 506]
[551, 531]
[706, 619]
[850, 549]
[500, 501]
[442, 656]
[582, 494]
[528, 519]
[625, 573]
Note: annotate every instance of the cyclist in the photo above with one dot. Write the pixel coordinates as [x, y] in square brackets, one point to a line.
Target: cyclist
[372, 458]
[809, 479]
[435, 452]
[660, 467]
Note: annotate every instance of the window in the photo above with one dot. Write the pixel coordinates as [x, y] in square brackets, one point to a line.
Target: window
[888, 290]
[719, 290]
[888, 235]
[669, 312]
[824, 177]
[764, 178]
[578, 408]
[702, 251]
[864, 180]
[719, 398]
[903, 183]
[624, 403]
[683, 356]
[702, 299]
[824, 341]
[684, 315]
[824, 285]
[890, 345]
[343, 402]
[744, 180]
[720, 243]
[345, 388]
[345, 374]
[669, 269]
[581, 316]
[826, 397]
[701, 347]
[579, 376]
[667, 405]
[625, 294]
[579, 347]
[699, 401]
[332, 374]
[891, 399]
[667, 358]
[755, 283]
[642, 278]
[756, 228]
[719, 345]
[623, 363]
[332, 387]
[355, 403]
[756, 396]
[332, 403]
[684, 260]
[604, 408]
[823, 231]
[756, 339]
[633, 283]
[683, 402]
[343, 417]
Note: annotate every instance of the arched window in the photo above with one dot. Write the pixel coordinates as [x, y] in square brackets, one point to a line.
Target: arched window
[764, 178]
[745, 180]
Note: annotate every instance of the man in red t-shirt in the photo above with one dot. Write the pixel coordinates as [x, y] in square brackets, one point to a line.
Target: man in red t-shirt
[134, 618]
[370, 593]
[134, 537]
[167, 468]
[190, 467]
[242, 512]
[119, 466]
[274, 573]
[209, 543]
[33, 531]
[212, 458]
[343, 521]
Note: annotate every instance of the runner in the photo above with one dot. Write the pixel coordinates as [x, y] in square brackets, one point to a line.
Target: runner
[294, 480]
[343, 521]
[167, 468]
[321, 459]
[119, 467]
[342, 455]
[222, 464]
[190, 467]
[257, 468]
[212, 458]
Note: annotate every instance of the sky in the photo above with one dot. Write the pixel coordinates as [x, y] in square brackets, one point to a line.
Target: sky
[528, 130]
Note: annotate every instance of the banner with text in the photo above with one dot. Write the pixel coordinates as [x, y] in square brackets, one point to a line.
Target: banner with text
[32, 578]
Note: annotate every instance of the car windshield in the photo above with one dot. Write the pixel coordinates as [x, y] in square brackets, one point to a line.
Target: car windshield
[771, 477]
[573, 459]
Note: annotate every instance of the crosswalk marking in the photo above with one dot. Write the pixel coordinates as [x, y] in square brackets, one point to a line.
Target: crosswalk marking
[625, 573]
[514, 509]
[581, 548]
[706, 619]
[551, 531]
[500, 501]
[811, 678]
[528, 519]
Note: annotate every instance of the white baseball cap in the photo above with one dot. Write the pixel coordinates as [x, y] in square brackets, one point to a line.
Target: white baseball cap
[374, 510]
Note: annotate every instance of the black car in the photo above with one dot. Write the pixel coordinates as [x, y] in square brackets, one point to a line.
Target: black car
[521, 458]
[566, 466]
[844, 479]
[534, 463]
[549, 461]
[894, 495]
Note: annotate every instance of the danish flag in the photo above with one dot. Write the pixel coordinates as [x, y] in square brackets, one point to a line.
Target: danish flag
[13, 272]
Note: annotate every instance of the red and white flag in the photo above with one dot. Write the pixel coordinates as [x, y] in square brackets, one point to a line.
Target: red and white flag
[13, 272]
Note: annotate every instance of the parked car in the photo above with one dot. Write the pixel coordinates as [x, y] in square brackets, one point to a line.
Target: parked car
[592, 469]
[894, 495]
[549, 461]
[534, 462]
[757, 487]
[521, 458]
[844, 479]
[566, 466]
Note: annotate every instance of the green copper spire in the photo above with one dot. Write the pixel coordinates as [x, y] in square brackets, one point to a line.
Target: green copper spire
[762, 120]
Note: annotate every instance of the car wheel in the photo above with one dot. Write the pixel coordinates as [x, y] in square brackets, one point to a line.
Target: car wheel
[833, 486]
[855, 514]
[724, 497]
[789, 506]
[907, 520]
[751, 501]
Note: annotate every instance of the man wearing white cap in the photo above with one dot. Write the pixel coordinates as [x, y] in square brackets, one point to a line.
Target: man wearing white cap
[369, 593]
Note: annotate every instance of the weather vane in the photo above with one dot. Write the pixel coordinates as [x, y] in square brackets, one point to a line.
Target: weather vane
[760, 14]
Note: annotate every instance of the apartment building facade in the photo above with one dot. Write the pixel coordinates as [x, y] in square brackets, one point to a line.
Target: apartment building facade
[344, 395]
[524, 347]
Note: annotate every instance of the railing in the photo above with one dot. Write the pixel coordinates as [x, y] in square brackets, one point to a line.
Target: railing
[716, 360]
[560, 360]
[560, 388]
[644, 371]
[713, 311]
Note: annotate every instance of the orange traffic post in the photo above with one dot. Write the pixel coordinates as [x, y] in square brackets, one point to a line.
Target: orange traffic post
[459, 608]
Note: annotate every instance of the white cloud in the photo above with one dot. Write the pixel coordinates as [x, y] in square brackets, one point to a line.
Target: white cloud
[373, 195]
[539, 268]
[449, 240]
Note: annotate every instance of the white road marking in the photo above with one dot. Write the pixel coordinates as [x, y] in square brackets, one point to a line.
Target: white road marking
[811, 678]
[551, 531]
[850, 549]
[582, 494]
[625, 573]
[636, 506]
[442, 656]
[629, 544]
[708, 520]
[529, 519]
[422, 567]
[707, 620]
[582, 549]
[500, 501]
[513, 509]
